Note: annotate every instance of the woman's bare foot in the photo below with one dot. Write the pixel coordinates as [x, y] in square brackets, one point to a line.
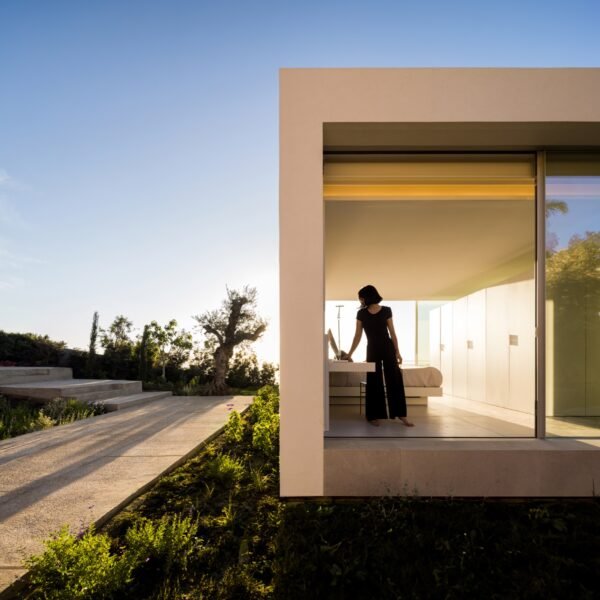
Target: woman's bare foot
[406, 422]
[374, 422]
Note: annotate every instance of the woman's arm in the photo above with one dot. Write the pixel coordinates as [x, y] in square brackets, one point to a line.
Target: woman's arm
[356, 340]
[390, 324]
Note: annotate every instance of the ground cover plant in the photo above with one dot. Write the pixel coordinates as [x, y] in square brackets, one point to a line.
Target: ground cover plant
[18, 416]
[216, 528]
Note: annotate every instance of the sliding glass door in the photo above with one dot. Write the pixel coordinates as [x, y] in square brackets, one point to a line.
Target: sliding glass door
[572, 208]
[449, 241]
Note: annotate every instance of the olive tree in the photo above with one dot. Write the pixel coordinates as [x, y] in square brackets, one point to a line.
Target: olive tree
[235, 323]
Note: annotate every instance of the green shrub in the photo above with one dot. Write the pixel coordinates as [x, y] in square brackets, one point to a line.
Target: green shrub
[67, 410]
[78, 568]
[42, 421]
[73, 567]
[225, 469]
[17, 419]
[263, 414]
[265, 435]
[234, 430]
[167, 544]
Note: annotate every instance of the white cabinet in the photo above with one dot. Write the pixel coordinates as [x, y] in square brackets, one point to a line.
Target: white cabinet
[476, 350]
[459, 347]
[446, 347]
[521, 348]
[497, 368]
[487, 346]
[435, 338]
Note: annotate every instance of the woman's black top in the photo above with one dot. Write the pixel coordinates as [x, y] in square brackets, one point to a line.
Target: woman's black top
[375, 326]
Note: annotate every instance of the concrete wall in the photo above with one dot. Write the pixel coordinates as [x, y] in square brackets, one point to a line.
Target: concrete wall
[449, 108]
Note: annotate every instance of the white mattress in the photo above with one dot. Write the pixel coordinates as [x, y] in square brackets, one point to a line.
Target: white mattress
[413, 377]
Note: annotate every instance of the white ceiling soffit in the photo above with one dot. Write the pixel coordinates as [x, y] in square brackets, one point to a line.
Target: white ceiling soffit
[432, 245]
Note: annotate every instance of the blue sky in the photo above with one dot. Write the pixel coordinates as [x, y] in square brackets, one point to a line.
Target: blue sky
[138, 140]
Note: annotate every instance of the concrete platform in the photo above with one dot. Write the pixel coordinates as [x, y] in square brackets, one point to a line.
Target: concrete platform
[121, 402]
[89, 390]
[86, 471]
[10, 375]
[462, 467]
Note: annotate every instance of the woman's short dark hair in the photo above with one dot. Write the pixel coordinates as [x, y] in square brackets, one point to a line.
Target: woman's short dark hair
[370, 295]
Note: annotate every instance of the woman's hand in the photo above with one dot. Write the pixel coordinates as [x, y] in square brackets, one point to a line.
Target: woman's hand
[398, 357]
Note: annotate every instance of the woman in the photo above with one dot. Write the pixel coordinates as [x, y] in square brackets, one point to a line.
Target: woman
[383, 350]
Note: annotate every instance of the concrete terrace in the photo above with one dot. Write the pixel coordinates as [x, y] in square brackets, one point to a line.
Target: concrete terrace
[86, 471]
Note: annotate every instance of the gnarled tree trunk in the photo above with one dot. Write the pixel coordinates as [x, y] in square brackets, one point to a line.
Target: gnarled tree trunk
[218, 386]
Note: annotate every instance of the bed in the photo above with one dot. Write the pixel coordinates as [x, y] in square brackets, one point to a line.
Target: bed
[419, 384]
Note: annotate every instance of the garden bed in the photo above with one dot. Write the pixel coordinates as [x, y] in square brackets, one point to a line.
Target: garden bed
[18, 416]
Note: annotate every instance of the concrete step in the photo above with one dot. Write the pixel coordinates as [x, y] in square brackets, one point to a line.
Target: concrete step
[84, 389]
[121, 402]
[9, 375]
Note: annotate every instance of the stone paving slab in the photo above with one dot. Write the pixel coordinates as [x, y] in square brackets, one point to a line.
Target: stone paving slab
[84, 471]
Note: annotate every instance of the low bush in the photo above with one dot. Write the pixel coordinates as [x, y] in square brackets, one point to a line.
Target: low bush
[18, 416]
[90, 566]
[78, 567]
[67, 410]
[225, 469]
[166, 545]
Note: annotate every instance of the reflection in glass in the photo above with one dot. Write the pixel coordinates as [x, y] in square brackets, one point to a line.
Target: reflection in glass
[573, 295]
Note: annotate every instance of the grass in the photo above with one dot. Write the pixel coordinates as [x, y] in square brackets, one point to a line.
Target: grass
[216, 528]
[18, 417]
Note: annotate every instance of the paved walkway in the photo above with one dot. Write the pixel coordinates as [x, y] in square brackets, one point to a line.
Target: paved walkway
[84, 471]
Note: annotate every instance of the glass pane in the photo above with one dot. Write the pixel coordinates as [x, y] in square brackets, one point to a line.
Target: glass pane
[573, 295]
[425, 332]
[450, 240]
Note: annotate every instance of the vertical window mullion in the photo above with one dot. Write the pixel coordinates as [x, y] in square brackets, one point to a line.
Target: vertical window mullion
[540, 280]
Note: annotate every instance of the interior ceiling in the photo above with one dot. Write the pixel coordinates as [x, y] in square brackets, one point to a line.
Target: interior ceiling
[426, 249]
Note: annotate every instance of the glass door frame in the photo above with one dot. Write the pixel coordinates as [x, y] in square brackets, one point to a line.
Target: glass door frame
[540, 297]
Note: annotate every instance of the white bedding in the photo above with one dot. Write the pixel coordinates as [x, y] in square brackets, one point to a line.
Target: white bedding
[413, 377]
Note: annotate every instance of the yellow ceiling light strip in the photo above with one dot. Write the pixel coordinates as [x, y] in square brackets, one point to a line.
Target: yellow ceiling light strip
[429, 191]
[419, 177]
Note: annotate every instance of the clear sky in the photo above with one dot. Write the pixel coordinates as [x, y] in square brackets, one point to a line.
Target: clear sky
[139, 139]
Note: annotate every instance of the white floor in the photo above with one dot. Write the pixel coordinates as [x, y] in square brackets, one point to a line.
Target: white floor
[451, 417]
